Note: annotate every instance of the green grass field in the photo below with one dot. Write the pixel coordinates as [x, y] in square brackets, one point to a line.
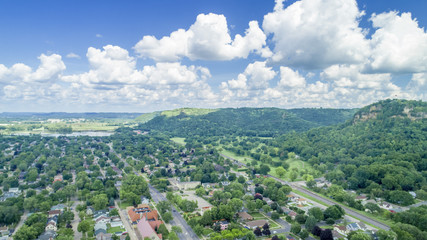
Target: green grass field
[115, 229]
[178, 140]
[188, 111]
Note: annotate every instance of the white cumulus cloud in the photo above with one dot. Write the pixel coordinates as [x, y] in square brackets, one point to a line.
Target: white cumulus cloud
[315, 34]
[399, 44]
[207, 39]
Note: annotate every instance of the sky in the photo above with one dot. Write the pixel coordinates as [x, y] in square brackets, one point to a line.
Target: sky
[143, 56]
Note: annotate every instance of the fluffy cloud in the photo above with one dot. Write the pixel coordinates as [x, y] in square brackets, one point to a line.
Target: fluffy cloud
[114, 78]
[399, 44]
[50, 68]
[290, 78]
[315, 34]
[250, 83]
[208, 39]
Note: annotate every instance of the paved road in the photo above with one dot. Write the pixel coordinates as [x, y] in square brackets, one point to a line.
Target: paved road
[126, 222]
[76, 220]
[178, 220]
[329, 202]
[325, 200]
[21, 222]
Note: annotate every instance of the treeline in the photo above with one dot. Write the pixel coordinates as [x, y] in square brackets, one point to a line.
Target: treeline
[262, 122]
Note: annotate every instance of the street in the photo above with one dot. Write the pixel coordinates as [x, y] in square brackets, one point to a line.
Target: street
[178, 220]
[325, 200]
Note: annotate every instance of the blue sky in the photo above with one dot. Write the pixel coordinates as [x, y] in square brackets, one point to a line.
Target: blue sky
[142, 56]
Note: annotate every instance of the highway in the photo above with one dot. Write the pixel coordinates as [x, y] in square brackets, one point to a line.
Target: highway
[178, 220]
[324, 200]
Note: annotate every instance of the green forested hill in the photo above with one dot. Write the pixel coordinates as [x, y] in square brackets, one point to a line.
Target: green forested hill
[382, 150]
[263, 122]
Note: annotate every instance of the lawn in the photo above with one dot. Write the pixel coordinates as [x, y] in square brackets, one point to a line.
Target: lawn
[243, 159]
[124, 205]
[115, 229]
[178, 140]
[257, 215]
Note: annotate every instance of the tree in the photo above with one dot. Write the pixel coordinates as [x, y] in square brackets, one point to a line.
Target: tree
[275, 215]
[258, 231]
[304, 234]
[84, 226]
[167, 217]
[359, 236]
[200, 191]
[316, 231]
[280, 171]
[25, 233]
[266, 208]
[295, 228]
[206, 218]
[173, 236]
[113, 212]
[100, 201]
[241, 179]
[386, 235]
[236, 204]
[293, 175]
[334, 212]
[264, 169]
[310, 222]
[163, 230]
[316, 212]
[326, 235]
[372, 207]
[176, 229]
[301, 218]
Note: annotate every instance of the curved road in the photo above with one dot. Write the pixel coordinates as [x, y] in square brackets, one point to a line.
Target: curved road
[323, 199]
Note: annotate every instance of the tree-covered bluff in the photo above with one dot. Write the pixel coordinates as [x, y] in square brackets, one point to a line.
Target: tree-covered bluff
[382, 150]
[261, 122]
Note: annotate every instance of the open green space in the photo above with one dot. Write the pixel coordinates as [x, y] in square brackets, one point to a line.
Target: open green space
[178, 140]
[115, 229]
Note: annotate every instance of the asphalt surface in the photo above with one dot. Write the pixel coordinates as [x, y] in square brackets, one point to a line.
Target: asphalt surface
[178, 220]
[325, 200]
[329, 202]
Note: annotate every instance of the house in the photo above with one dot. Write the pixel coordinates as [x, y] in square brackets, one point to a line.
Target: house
[353, 227]
[60, 207]
[89, 210]
[301, 201]
[48, 235]
[291, 197]
[116, 223]
[256, 223]
[292, 214]
[135, 214]
[145, 200]
[245, 216]
[286, 210]
[336, 235]
[103, 236]
[54, 213]
[341, 230]
[103, 219]
[51, 226]
[145, 229]
[209, 185]
[223, 225]
[4, 231]
[58, 178]
[100, 228]
[268, 201]
[386, 205]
